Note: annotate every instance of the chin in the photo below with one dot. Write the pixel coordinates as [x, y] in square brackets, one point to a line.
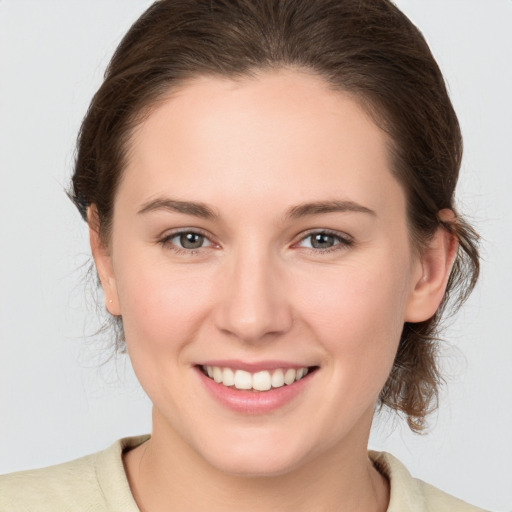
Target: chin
[264, 458]
[245, 464]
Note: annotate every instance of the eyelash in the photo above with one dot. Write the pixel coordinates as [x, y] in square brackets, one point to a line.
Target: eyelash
[342, 242]
[166, 241]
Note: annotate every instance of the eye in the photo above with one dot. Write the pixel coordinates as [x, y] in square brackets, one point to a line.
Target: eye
[325, 241]
[190, 240]
[186, 241]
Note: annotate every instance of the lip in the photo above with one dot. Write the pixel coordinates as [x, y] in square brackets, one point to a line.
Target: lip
[252, 367]
[254, 402]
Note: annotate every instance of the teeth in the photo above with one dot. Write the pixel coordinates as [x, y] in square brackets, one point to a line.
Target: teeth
[259, 381]
[228, 377]
[289, 376]
[243, 380]
[217, 374]
[278, 378]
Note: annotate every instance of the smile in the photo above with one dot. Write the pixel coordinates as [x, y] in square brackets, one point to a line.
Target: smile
[257, 381]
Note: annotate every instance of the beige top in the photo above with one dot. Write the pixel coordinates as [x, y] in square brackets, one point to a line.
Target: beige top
[98, 483]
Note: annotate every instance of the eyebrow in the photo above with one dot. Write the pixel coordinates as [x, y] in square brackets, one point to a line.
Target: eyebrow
[187, 207]
[319, 207]
[302, 210]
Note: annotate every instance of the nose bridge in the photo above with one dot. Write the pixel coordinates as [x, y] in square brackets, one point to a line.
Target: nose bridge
[253, 304]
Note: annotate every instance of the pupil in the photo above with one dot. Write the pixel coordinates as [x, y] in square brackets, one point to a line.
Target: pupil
[191, 240]
[322, 241]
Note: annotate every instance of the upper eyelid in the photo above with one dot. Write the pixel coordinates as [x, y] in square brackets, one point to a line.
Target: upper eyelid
[167, 238]
[299, 238]
[338, 234]
[179, 231]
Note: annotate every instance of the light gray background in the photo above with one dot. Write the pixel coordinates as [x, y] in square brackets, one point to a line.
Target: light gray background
[55, 401]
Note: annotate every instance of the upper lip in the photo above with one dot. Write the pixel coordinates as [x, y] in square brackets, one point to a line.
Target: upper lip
[253, 366]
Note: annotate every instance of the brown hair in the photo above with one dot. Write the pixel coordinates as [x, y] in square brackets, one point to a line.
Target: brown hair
[365, 47]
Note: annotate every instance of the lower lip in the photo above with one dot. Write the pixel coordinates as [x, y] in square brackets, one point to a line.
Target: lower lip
[254, 402]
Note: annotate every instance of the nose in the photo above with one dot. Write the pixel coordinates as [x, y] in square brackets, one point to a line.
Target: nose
[252, 302]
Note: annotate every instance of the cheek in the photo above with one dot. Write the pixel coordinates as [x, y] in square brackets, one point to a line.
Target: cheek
[358, 316]
[161, 305]
[163, 309]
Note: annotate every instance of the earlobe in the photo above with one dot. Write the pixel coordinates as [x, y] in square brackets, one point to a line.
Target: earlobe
[435, 265]
[103, 261]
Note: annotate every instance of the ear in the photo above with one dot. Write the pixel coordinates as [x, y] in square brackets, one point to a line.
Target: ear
[103, 262]
[434, 268]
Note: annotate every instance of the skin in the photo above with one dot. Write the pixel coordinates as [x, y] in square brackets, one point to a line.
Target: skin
[257, 290]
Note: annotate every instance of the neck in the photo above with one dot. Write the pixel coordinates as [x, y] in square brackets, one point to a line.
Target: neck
[166, 473]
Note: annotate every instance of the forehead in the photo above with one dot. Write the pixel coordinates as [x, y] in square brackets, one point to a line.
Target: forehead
[275, 137]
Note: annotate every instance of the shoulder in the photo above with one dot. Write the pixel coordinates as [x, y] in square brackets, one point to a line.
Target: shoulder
[413, 495]
[90, 483]
[67, 486]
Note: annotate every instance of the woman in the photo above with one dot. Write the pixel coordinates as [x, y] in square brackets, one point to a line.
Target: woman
[269, 192]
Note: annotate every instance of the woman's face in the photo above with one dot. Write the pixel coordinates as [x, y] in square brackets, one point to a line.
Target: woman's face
[258, 231]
